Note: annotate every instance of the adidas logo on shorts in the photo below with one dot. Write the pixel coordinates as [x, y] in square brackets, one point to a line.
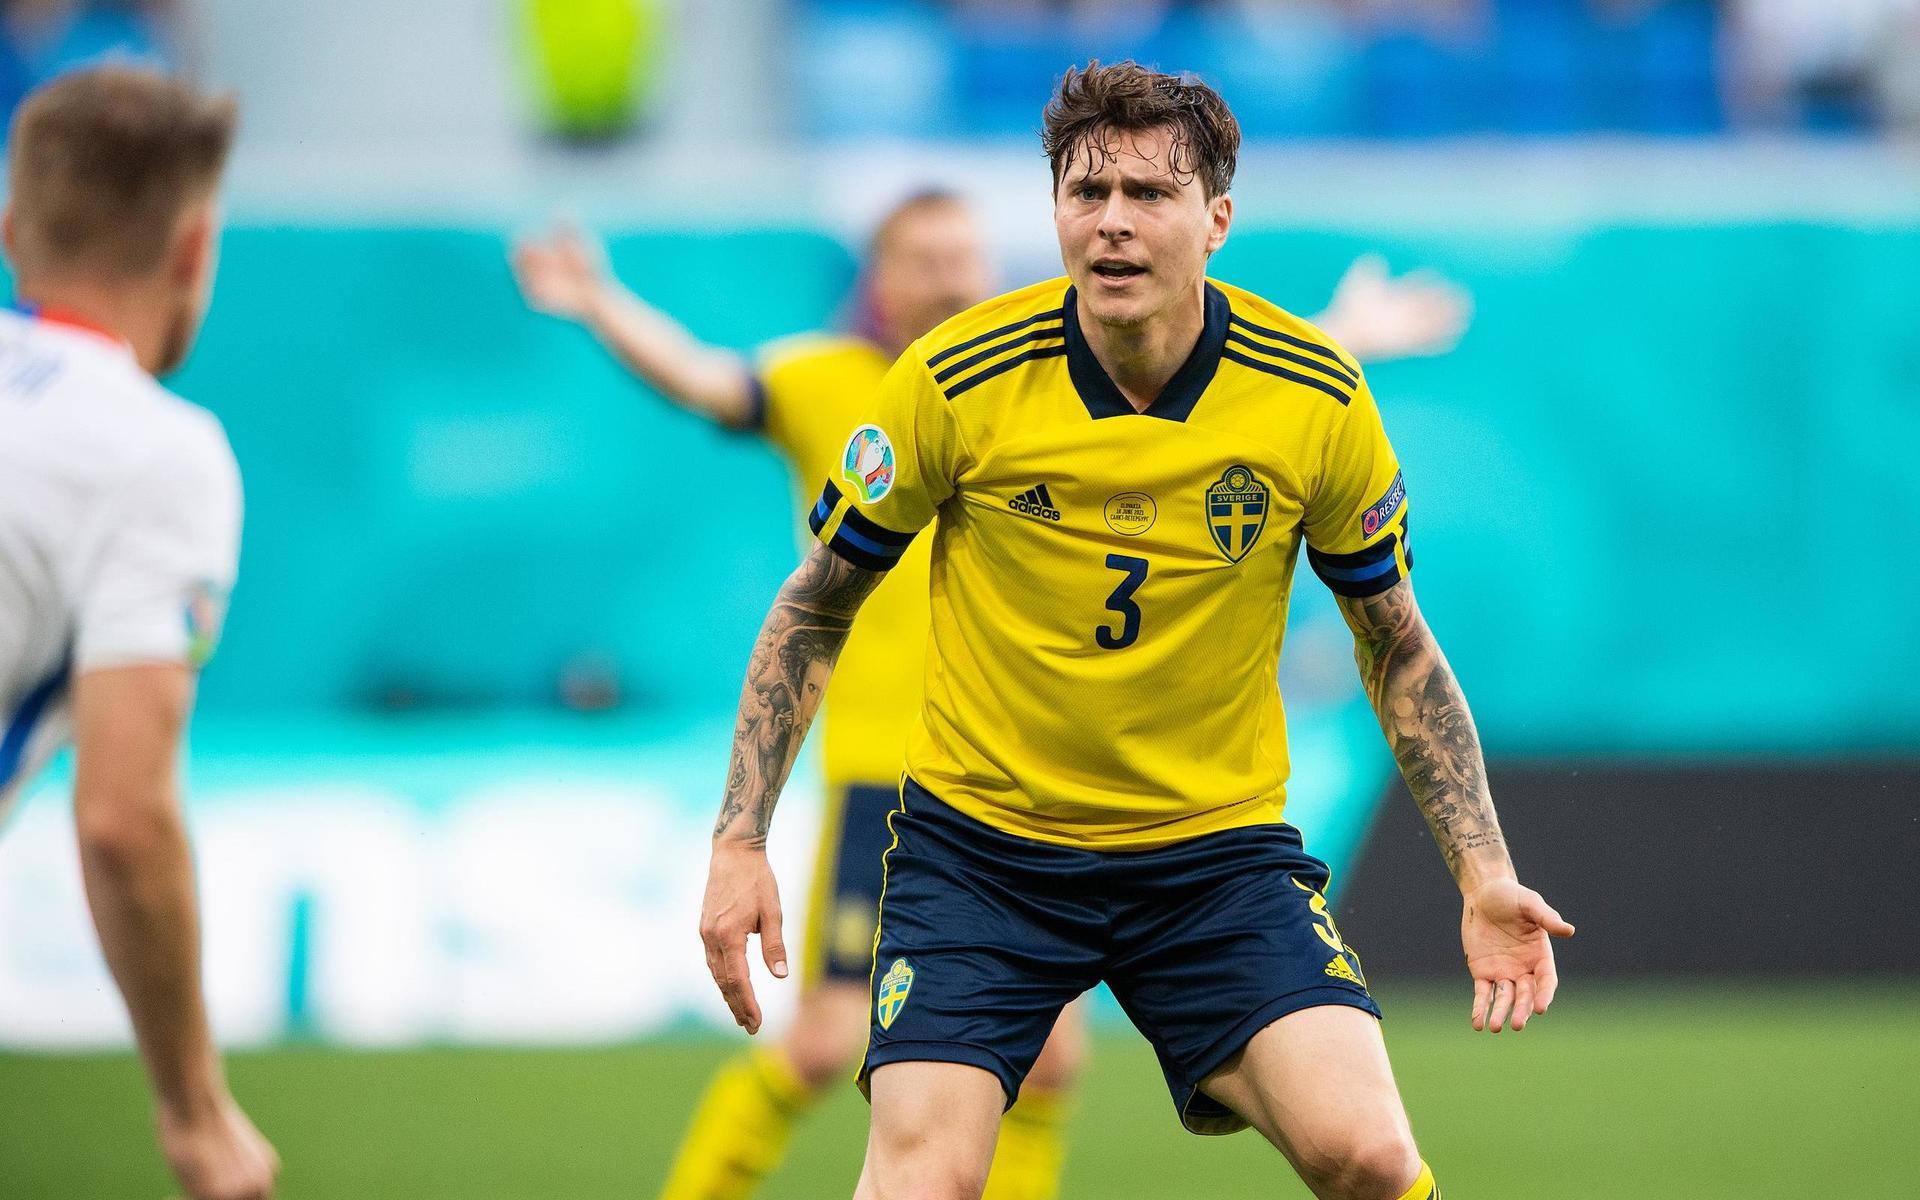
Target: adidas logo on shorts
[1035, 502]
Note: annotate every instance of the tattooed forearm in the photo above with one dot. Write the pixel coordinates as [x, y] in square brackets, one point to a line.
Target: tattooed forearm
[786, 675]
[1429, 727]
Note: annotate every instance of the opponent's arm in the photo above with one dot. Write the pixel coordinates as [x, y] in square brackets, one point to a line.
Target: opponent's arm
[786, 677]
[1504, 927]
[138, 870]
[565, 275]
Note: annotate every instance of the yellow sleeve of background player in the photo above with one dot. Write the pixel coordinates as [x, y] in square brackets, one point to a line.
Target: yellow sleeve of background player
[778, 383]
[895, 473]
[1356, 521]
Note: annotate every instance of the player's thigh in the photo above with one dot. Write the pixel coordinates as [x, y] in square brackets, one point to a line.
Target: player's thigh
[1316, 1083]
[982, 943]
[932, 1132]
[1216, 939]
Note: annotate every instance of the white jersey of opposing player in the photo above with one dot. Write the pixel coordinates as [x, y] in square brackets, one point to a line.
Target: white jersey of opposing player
[119, 528]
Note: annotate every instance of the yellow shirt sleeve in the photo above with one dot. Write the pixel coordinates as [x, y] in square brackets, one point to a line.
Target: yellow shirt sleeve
[896, 471]
[1356, 520]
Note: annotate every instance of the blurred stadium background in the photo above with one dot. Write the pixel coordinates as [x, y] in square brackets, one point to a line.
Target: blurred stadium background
[454, 768]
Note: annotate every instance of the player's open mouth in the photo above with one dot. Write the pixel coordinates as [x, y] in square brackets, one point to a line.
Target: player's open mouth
[1116, 269]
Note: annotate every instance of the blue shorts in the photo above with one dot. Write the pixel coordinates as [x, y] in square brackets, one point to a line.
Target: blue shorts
[985, 937]
[846, 882]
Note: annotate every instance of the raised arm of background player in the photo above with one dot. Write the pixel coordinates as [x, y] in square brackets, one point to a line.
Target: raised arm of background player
[563, 273]
[1504, 926]
[786, 676]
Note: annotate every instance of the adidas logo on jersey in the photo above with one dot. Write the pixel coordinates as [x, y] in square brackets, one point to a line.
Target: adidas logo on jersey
[1035, 502]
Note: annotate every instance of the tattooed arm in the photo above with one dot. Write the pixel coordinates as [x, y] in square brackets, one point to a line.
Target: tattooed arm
[1503, 926]
[786, 677]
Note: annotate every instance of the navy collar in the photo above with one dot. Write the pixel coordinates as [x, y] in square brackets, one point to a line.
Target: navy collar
[1175, 402]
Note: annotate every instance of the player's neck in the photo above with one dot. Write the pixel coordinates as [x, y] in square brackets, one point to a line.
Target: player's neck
[137, 314]
[1141, 359]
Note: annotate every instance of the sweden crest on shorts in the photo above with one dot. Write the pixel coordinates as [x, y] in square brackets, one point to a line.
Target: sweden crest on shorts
[1236, 511]
[894, 986]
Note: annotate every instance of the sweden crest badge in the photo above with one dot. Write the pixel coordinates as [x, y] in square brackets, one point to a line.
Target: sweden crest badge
[894, 986]
[1236, 511]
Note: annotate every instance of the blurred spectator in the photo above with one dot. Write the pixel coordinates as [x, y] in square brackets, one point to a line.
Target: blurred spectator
[1825, 64]
[43, 38]
[1299, 68]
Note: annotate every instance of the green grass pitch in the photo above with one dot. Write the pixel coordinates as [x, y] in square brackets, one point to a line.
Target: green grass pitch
[1692, 1094]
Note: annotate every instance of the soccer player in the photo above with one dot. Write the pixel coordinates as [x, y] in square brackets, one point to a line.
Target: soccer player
[119, 533]
[926, 262]
[1124, 464]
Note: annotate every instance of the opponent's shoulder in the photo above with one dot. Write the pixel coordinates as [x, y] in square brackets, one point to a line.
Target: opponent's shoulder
[1265, 338]
[171, 446]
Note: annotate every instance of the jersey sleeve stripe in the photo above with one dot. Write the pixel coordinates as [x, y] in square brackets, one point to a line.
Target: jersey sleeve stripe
[1312, 364]
[1288, 339]
[858, 539]
[1362, 573]
[1311, 381]
[1000, 368]
[1016, 327]
[974, 360]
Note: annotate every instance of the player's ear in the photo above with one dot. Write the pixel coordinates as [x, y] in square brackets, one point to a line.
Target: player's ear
[1220, 209]
[194, 245]
[7, 238]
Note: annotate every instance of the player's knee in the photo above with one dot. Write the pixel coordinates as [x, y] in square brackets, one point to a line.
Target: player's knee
[828, 1035]
[916, 1162]
[1369, 1164]
[825, 1057]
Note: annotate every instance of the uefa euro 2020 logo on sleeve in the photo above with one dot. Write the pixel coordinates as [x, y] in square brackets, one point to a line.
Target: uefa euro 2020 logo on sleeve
[868, 463]
[206, 610]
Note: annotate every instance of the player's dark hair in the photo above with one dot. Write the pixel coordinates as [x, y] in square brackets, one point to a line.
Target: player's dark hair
[1096, 102]
[103, 161]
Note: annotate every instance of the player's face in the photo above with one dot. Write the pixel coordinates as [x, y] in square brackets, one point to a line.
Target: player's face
[1135, 229]
[932, 265]
[196, 259]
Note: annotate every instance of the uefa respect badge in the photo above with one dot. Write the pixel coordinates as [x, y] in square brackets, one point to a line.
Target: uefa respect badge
[868, 463]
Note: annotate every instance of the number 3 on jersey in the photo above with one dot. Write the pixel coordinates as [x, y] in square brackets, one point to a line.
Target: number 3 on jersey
[1122, 602]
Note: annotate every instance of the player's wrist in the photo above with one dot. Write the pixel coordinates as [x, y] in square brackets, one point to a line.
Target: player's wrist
[1475, 874]
[198, 1096]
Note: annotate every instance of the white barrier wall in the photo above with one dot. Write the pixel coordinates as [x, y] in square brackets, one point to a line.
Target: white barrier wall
[541, 905]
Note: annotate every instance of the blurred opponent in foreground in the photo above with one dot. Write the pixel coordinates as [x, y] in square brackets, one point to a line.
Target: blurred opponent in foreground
[926, 262]
[119, 534]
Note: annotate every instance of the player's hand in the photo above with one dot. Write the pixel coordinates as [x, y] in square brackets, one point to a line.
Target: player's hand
[742, 898]
[218, 1154]
[561, 272]
[1504, 929]
[1377, 317]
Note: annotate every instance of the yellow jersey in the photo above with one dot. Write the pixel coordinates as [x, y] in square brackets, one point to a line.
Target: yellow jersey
[1109, 588]
[808, 391]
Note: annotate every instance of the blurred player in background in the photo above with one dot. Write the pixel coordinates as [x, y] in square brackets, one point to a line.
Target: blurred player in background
[926, 262]
[119, 537]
